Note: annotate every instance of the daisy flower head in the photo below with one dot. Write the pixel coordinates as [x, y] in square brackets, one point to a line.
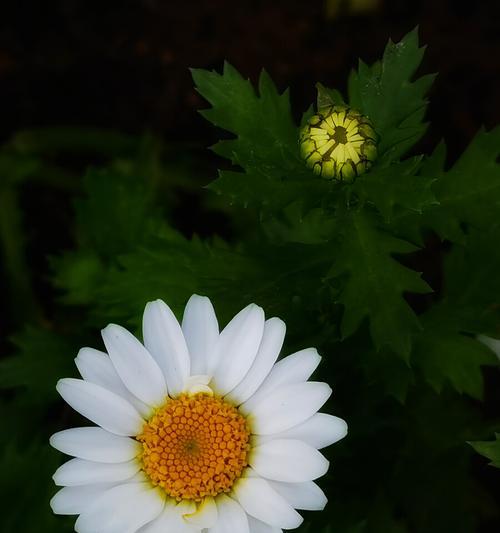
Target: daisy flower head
[197, 431]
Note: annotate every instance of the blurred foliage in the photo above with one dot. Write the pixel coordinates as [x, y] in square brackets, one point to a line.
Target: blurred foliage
[347, 267]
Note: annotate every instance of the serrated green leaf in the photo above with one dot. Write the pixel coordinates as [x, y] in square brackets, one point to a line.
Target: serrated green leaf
[117, 213]
[386, 93]
[255, 190]
[40, 359]
[266, 143]
[470, 191]
[447, 350]
[26, 487]
[490, 449]
[295, 225]
[397, 185]
[471, 281]
[449, 357]
[452, 500]
[413, 225]
[287, 286]
[266, 133]
[77, 274]
[252, 190]
[376, 283]
[163, 269]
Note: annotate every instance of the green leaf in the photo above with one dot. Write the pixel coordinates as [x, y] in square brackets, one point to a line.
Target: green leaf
[376, 283]
[294, 225]
[40, 359]
[433, 464]
[386, 93]
[117, 213]
[490, 449]
[26, 487]
[447, 352]
[266, 143]
[266, 133]
[470, 191]
[398, 185]
[271, 194]
[77, 274]
[412, 225]
[446, 356]
[232, 276]
[474, 299]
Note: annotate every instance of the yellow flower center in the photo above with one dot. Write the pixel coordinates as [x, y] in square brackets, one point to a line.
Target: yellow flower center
[338, 142]
[195, 446]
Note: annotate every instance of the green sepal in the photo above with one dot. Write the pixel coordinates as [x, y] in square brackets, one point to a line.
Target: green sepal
[328, 97]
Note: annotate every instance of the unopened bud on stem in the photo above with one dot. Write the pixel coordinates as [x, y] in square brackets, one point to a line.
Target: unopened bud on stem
[338, 143]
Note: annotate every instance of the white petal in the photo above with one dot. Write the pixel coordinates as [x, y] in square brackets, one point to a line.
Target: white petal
[165, 341]
[136, 367]
[269, 350]
[102, 407]
[292, 461]
[319, 431]
[95, 444]
[231, 517]
[96, 367]
[236, 348]
[170, 519]
[201, 331]
[205, 515]
[74, 500]
[261, 501]
[288, 406]
[122, 509]
[306, 496]
[295, 368]
[81, 472]
[256, 526]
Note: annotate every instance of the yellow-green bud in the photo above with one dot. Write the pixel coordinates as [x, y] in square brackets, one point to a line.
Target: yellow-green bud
[338, 143]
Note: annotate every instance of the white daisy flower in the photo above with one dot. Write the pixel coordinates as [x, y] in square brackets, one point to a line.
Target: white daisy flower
[198, 431]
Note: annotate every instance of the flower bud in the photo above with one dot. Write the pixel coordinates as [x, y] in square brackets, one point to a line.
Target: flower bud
[338, 143]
